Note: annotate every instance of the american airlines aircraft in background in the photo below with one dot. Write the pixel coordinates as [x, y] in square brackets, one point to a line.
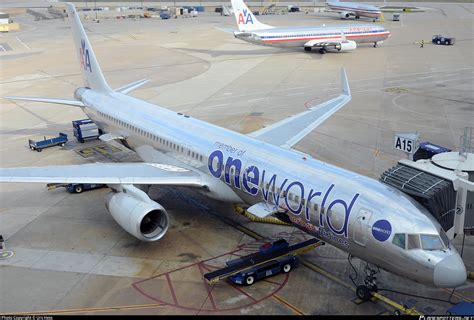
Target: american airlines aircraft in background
[337, 38]
[357, 214]
[357, 10]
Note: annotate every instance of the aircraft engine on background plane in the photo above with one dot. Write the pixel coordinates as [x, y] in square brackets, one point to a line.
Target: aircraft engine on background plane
[346, 46]
[135, 212]
[344, 15]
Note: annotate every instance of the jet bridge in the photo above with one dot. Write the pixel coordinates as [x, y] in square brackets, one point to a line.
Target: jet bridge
[443, 185]
[435, 193]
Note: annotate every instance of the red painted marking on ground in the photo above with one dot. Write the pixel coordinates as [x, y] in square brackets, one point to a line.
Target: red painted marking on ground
[173, 294]
[211, 292]
[208, 289]
[236, 287]
[272, 282]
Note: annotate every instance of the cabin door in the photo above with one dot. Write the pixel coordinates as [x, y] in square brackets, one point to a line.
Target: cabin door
[362, 227]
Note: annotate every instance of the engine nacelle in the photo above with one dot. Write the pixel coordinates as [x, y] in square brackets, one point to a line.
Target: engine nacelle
[135, 212]
[346, 46]
[344, 15]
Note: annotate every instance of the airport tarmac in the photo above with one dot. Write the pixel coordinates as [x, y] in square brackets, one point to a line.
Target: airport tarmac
[71, 256]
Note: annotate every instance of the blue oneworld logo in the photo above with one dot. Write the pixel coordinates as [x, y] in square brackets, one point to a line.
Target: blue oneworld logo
[283, 192]
[381, 230]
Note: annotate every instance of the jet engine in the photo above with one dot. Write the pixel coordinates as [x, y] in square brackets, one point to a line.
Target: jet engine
[134, 211]
[344, 15]
[346, 46]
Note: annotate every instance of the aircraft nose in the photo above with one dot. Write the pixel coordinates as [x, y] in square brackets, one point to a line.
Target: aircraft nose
[450, 272]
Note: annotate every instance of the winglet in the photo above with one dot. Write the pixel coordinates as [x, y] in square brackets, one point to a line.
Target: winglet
[345, 83]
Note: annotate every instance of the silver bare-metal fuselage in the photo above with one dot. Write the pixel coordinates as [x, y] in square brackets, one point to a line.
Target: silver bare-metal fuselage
[338, 206]
[299, 36]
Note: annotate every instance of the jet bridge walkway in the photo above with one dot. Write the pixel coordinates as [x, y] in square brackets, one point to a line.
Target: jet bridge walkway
[434, 193]
[259, 258]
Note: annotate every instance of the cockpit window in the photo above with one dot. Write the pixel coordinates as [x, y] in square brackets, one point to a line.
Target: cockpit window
[399, 240]
[431, 242]
[413, 241]
[444, 237]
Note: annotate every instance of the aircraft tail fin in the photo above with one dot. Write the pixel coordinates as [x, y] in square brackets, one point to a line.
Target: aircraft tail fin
[91, 72]
[245, 19]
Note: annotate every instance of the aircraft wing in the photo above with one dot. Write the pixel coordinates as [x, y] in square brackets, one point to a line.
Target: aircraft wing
[289, 131]
[106, 173]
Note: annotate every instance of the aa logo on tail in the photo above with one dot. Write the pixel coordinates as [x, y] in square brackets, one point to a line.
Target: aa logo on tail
[84, 56]
[245, 17]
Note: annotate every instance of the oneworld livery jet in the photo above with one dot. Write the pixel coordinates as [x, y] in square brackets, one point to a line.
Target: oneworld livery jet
[357, 214]
[336, 38]
[357, 10]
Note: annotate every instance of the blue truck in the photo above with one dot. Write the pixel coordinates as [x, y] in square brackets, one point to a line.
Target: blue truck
[85, 129]
[79, 187]
[46, 143]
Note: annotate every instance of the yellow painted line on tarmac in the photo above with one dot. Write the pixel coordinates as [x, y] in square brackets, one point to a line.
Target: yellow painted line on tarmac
[87, 310]
[289, 305]
[459, 295]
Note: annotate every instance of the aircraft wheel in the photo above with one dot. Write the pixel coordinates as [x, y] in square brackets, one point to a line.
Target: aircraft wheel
[39, 150]
[78, 188]
[287, 268]
[307, 49]
[249, 280]
[322, 50]
[363, 292]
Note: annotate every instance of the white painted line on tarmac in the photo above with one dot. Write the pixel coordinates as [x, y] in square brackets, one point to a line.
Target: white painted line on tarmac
[24, 44]
[257, 99]
[218, 105]
[295, 94]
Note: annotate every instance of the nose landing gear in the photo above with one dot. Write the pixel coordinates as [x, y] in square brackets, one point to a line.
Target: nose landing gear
[365, 290]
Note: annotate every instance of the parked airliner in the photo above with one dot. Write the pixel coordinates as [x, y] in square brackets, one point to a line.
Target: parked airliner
[337, 38]
[357, 10]
[357, 214]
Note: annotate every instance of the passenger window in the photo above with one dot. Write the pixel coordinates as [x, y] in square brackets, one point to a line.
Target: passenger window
[413, 241]
[399, 239]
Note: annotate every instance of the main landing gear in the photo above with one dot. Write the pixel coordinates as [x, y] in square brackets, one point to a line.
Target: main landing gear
[364, 291]
[375, 44]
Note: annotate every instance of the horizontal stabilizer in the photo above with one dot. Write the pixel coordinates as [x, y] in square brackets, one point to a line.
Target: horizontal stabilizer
[106, 173]
[67, 102]
[126, 89]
